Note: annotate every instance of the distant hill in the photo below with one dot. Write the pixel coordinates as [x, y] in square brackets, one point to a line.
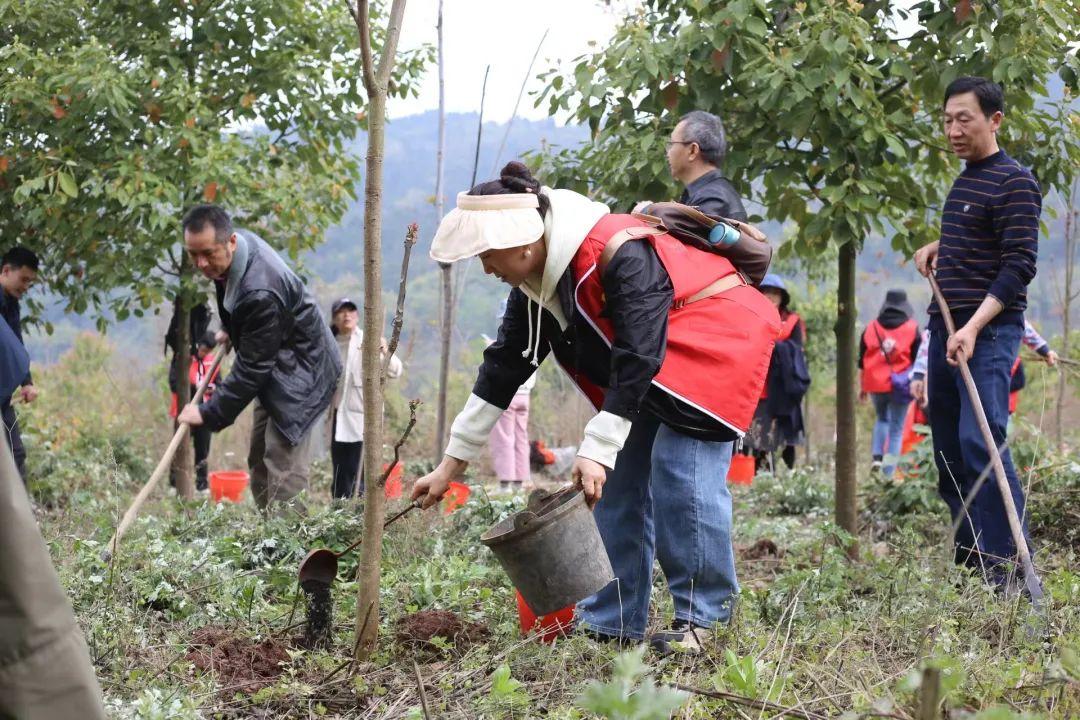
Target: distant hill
[409, 184]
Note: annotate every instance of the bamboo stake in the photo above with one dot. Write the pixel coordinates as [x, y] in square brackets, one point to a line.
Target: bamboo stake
[163, 465]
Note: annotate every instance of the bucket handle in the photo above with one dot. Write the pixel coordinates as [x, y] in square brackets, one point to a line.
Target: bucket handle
[523, 519]
[539, 498]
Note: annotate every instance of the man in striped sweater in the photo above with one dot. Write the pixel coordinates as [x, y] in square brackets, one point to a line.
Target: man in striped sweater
[984, 261]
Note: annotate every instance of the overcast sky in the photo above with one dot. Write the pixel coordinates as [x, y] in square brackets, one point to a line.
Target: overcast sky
[504, 34]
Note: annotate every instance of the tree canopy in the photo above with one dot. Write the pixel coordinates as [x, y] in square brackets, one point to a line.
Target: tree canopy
[116, 115]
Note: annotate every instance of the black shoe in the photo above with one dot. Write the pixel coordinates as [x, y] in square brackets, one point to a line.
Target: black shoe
[604, 638]
[683, 637]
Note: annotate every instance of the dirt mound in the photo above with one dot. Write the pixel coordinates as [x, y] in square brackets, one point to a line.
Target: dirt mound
[240, 663]
[420, 628]
[763, 548]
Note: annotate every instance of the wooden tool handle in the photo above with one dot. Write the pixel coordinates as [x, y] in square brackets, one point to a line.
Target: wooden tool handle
[1030, 579]
[162, 466]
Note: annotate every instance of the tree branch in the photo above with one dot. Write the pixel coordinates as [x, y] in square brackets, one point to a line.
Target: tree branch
[399, 313]
[363, 27]
[890, 90]
[352, 12]
[389, 48]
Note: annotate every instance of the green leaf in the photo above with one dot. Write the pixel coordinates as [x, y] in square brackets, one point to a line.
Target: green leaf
[755, 26]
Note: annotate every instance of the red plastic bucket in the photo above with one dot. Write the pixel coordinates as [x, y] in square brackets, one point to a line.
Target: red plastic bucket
[741, 471]
[394, 484]
[548, 627]
[456, 496]
[228, 485]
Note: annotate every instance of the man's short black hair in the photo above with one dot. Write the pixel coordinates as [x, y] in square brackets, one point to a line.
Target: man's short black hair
[197, 218]
[991, 96]
[18, 257]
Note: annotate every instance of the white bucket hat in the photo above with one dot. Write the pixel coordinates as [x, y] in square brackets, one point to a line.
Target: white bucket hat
[487, 222]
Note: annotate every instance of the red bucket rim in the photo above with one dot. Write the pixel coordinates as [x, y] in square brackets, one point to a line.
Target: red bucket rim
[230, 475]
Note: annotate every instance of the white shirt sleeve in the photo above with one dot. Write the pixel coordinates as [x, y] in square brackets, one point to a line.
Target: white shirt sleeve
[470, 429]
[604, 438]
[395, 368]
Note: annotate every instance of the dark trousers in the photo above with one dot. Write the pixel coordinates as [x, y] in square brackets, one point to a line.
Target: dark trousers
[348, 461]
[14, 438]
[763, 458]
[984, 538]
[200, 438]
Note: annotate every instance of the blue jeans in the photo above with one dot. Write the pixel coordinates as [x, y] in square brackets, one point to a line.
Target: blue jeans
[667, 499]
[888, 436]
[984, 538]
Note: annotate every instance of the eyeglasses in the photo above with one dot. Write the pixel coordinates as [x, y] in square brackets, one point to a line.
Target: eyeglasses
[680, 142]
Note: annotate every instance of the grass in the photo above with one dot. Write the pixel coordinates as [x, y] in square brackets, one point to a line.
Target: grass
[813, 632]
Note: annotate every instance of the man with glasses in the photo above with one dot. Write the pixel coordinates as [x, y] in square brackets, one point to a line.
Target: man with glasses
[694, 153]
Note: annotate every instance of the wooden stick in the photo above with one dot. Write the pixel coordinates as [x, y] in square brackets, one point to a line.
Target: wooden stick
[930, 694]
[423, 694]
[399, 312]
[162, 466]
[762, 705]
[1030, 579]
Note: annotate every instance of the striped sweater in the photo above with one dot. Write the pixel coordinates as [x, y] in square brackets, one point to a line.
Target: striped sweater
[989, 239]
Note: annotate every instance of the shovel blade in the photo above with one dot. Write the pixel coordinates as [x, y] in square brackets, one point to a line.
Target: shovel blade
[319, 566]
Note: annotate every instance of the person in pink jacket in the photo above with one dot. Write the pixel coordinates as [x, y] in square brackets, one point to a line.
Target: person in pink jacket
[509, 439]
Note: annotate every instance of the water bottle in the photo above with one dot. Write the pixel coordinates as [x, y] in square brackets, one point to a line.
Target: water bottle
[723, 234]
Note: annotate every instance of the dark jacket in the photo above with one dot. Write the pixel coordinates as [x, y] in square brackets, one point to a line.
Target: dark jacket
[639, 296]
[712, 194]
[14, 363]
[11, 311]
[285, 354]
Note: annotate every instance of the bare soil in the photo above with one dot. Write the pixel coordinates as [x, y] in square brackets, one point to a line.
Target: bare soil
[240, 663]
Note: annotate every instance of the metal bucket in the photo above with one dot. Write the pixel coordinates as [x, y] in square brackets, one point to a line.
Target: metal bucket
[552, 551]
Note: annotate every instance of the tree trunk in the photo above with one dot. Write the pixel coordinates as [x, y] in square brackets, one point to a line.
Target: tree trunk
[1066, 304]
[376, 82]
[447, 317]
[183, 461]
[846, 435]
[367, 616]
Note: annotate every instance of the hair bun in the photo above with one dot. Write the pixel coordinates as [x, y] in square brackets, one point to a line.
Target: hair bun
[516, 176]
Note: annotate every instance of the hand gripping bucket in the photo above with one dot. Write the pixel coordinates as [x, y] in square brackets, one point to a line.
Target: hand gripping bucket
[552, 551]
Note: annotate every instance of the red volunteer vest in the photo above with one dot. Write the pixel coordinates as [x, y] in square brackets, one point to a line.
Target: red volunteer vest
[876, 369]
[718, 348]
[196, 373]
[787, 327]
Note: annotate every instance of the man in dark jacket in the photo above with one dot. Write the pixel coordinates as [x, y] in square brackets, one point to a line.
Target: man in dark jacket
[286, 358]
[695, 152]
[18, 271]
